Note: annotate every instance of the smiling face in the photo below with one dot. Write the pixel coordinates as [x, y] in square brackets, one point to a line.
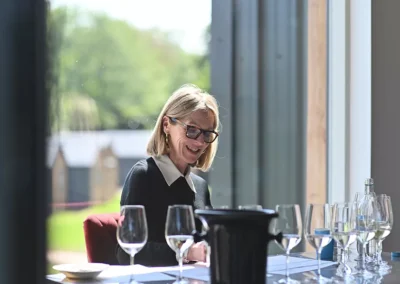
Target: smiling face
[184, 150]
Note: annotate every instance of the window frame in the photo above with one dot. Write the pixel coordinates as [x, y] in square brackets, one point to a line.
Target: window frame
[349, 98]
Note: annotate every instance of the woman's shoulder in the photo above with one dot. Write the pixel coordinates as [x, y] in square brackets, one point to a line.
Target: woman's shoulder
[198, 180]
[196, 176]
[137, 182]
[140, 173]
[143, 166]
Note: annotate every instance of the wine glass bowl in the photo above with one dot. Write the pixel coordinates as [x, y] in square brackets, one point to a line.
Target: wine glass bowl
[132, 229]
[384, 226]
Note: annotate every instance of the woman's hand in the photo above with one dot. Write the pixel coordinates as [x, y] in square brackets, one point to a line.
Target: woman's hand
[197, 252]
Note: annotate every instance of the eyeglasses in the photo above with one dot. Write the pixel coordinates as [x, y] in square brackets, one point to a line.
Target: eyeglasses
[194, 132]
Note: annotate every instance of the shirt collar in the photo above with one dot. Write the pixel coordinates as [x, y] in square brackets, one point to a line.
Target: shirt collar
[170, 172]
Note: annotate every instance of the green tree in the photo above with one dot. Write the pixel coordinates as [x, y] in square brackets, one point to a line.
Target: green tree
[56, 21]
[78, 112]
[129, 73]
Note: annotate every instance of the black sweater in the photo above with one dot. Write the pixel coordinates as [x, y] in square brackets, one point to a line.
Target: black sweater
[145, 185]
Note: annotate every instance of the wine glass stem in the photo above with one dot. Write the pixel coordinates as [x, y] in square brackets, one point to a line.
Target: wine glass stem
[344, 255]
[363, 256]
[180, 265]
[132, 261]
[379, 253]
[319, 261]
[287, 264]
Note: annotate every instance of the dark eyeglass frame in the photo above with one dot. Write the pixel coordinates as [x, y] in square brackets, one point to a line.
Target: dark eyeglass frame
[201, 131]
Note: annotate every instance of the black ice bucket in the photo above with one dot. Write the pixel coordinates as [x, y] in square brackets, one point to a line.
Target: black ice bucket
[238, 241]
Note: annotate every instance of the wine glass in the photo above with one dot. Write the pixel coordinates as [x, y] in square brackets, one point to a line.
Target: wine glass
[132, 230]
[384, 227]
[366, 228]
[290, 225]
[179, 230]
[343, 230]
[317, 230]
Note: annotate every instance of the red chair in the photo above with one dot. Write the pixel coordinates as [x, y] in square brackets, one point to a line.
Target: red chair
[101, 238]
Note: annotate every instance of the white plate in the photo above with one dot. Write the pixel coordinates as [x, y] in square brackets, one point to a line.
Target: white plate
[81, 271]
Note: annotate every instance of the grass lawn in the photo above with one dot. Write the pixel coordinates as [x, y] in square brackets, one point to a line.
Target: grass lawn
[65, 228]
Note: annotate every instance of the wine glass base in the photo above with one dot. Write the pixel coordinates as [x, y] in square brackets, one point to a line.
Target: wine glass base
[379, 268]
[343, 270]
[384, 267]
[363, 273]
[319, 279]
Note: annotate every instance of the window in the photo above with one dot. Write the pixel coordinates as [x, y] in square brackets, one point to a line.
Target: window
[113, 65]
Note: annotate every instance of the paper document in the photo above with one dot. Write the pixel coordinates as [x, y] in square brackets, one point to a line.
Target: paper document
[191, 271]
[277, 264]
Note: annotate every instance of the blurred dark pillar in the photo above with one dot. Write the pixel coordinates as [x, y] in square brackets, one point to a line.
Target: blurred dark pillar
[258, 75]
[23, 115]
[385, 166]
[220, 176]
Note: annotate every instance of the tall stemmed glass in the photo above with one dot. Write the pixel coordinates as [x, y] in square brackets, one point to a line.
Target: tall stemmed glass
[384, 227]
[290, 225]
[366, 228]
[179, 228]
[317, 230]
[343, 230]
[132, 230]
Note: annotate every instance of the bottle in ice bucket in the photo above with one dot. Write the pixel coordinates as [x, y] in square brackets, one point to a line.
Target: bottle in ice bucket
[368, 194]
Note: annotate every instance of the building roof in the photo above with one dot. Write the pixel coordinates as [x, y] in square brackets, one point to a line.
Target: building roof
[52, 149]
[80, 149]
[129, 143]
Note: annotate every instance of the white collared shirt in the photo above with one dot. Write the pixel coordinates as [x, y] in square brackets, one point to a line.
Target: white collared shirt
[170, 172]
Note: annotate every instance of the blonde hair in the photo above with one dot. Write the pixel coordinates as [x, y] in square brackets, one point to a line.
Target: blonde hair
[180, 105]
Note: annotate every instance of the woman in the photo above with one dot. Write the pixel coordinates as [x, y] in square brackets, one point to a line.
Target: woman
[184, 137]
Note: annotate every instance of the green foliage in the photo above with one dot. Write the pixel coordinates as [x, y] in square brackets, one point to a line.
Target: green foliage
[56, 22]
[78, 112]
[129, 73]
